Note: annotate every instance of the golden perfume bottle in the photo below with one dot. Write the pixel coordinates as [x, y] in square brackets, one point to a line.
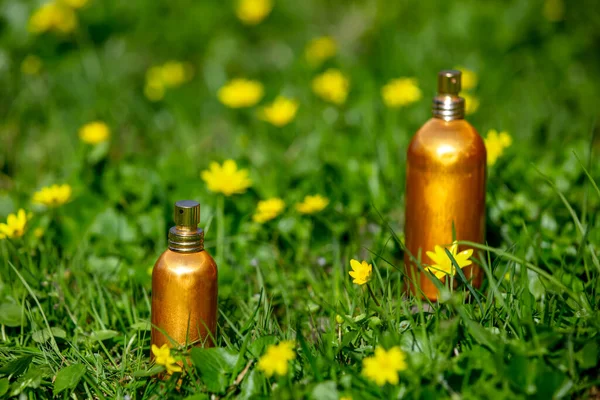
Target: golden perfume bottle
[445, 185]
[184, 285]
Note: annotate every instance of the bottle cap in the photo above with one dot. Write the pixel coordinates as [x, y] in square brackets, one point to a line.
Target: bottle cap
[185, 236]
[447, 104]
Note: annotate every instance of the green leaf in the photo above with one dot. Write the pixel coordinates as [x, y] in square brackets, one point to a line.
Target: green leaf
[150, 372]
[199, 396]
[3, 386]
[325, 391]
[251, 385]
[257, 347]
[103, 335]
[45, 334]
[588, 355]
[214, 365]
[11, 315]
[16, 367]
[141, 326]
[69, 377]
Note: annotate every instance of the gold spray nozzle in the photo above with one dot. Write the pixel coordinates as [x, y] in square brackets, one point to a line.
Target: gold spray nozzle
[185, 237]
[449, 82]
[447, 104]
[187, 214]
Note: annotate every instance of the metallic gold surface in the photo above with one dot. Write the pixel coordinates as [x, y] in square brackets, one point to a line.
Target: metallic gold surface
[448, 105]
[445, 184]
[184, 299]
[185, 237]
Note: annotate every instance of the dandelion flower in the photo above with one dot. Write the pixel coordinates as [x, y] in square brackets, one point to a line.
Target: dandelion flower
[383, 367]
[226, 178]
[267, 210]
[276, 359]
[239, 93]
[53, 196]
[280, 112]
[401, 92]
[53, 16]
[495, 143]
[468, 79]
[320, 50]
[173, 73]
[442, 264]
[332, 86]
[361, 272]
[471, 103]
[94, 132]
[312, 204]
[162, 356]
[253, 12]
[14, 226]
[31, 65]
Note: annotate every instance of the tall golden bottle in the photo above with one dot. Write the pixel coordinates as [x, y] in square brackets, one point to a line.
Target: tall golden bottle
[184, 285]
[445, 185]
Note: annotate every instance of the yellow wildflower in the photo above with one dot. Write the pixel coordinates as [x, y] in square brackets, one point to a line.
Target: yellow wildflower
[31, 65]
[162, 356]
[280, 112]
[239, 93]
[361, 272]
[276, 358]
[331, 86]
[73, 3]
[226, 179]
[442, 264]
[53, 196]
[94, 132]
[268, 209]
[384, 366]
[154, 91]
[554, 10]
[53, 16]
[253, 12]
[471, 103]
[14, 226]
[319, 50]
[312, 204]
[169, 75]
[38, 232]
[495, 143]
[468, 79]
[173, 73]
[401, 92]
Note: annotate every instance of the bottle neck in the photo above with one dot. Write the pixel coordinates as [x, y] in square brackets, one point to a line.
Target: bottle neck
[448, 107]
[185, 240]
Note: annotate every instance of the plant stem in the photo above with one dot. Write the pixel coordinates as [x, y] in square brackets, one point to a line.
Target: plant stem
[220, 229]
[373, 295]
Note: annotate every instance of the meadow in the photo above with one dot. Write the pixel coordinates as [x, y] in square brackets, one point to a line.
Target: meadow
[289, 122]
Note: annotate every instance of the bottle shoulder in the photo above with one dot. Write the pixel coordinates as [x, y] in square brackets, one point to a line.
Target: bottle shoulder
[178, 263]
[447, 143]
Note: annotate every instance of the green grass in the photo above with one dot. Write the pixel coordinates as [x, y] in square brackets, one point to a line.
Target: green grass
[75, 304]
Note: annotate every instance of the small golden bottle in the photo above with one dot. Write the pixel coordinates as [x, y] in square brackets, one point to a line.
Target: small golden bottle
[184, 285]
[445, 185]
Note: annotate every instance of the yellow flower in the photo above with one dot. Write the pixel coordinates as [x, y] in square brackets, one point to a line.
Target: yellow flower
[400, 92]
[554, 10]
[280, 112]
[239, 93]
[226, 179]
[495, 143]
[319, 50]
[471, 103]
[14, 226]
[31, 65]
[73, 3]
[252, 12]
[268, 209]
[331, 86]
[173, 73]
[94, 132]
[169, 75]
[361, 272]
[53, 196]
[384, 365]
[154, 91]
[162, 356]
[442, 264]
[276, 358]
[38, 232]
[312, 204]
[468, 78]
[53, 16]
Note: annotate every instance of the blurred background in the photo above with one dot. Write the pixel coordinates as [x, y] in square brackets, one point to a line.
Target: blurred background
[151, 74]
